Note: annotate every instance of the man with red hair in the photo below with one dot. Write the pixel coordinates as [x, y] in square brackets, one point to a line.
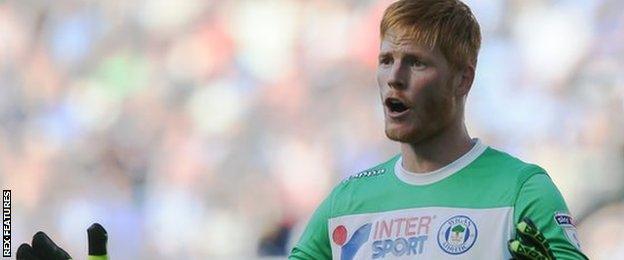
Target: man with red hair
[447, 194]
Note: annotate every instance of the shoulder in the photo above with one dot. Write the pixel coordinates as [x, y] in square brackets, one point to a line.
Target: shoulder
[370, 177]
[377, 170]
[507, 166]
[371, 174]
[500, 175]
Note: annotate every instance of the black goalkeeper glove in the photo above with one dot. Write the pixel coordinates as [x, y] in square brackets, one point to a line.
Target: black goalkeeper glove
[43, 248]
[531, 244]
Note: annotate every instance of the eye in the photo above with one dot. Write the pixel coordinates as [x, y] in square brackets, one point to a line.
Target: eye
[385, 60]
[416, 63]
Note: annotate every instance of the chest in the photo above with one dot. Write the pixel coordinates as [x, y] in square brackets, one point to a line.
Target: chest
[423, 233]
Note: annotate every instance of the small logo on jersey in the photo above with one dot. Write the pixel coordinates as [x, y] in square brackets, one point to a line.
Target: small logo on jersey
[566, 222]
[457, 235]
[350, 248]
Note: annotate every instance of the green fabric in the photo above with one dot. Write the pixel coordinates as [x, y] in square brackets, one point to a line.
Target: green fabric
[495, 179]
[314, 243]
[537, 200]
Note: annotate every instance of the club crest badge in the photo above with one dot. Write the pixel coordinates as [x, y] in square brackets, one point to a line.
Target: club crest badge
[457, 235]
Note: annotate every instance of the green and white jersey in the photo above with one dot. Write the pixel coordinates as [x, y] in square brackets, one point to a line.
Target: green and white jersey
[465, 210]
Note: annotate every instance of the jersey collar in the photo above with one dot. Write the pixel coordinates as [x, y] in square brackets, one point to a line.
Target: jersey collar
[426, 178]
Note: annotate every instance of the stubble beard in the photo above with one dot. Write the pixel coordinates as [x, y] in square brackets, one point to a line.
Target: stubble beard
[433, 119]
[424, 129]
[413, 136]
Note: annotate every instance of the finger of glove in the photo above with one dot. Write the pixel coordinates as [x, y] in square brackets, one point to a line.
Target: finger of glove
[524, 252]
[26, 252]
[46, 248]
[98, 237]
[530, 235]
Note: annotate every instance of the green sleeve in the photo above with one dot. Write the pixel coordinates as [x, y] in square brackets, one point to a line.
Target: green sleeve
[540, 200]
[314, 242]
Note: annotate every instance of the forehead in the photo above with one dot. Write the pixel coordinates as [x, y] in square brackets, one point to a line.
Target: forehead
[405, 44]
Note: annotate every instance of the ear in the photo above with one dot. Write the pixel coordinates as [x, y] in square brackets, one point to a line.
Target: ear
[464, 79]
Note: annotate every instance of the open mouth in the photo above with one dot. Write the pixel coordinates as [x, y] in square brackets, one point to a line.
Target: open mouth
[396, 105]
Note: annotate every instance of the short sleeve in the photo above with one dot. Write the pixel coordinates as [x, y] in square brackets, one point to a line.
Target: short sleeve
[540, 200]
[314, 242]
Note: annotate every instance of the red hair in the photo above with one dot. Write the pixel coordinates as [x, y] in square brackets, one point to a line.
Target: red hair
[446, 24]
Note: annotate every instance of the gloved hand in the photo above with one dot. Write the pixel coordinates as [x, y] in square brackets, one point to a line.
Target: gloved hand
[531, 245]
[43, 248]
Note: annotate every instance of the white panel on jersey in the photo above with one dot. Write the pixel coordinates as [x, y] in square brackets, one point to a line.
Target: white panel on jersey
[423, 233]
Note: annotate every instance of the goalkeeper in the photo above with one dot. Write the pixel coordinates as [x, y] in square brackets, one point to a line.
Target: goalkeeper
[446, 195]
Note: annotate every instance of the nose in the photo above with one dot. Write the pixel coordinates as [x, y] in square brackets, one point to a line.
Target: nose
[397, 78]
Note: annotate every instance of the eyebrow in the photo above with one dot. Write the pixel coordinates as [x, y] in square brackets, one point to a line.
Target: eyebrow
[417, 54]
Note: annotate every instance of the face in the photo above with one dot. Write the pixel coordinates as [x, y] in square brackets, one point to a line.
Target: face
[420, 93]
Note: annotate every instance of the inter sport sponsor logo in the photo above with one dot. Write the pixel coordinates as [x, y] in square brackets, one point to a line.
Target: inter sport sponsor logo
[350, 248]
[391, 237]
[457, 235]
[400, 236]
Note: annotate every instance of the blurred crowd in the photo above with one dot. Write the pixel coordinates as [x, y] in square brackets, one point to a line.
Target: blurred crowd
[212, 129]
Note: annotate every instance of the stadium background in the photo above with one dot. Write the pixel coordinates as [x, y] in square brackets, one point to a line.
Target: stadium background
[211, 129]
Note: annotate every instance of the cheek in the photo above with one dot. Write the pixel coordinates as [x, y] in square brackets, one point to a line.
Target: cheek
[381, 78]
[427, 79]
[432, 94]
[439, 102]
[425, 86]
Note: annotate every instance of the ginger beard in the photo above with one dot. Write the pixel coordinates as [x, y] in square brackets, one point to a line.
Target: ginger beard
[432, 114]
[419, 100]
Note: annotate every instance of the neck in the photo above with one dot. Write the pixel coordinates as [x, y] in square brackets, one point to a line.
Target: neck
[437, 151]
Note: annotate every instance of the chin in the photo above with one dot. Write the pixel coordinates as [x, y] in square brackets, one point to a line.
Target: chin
[404, 135]
[411, 133]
